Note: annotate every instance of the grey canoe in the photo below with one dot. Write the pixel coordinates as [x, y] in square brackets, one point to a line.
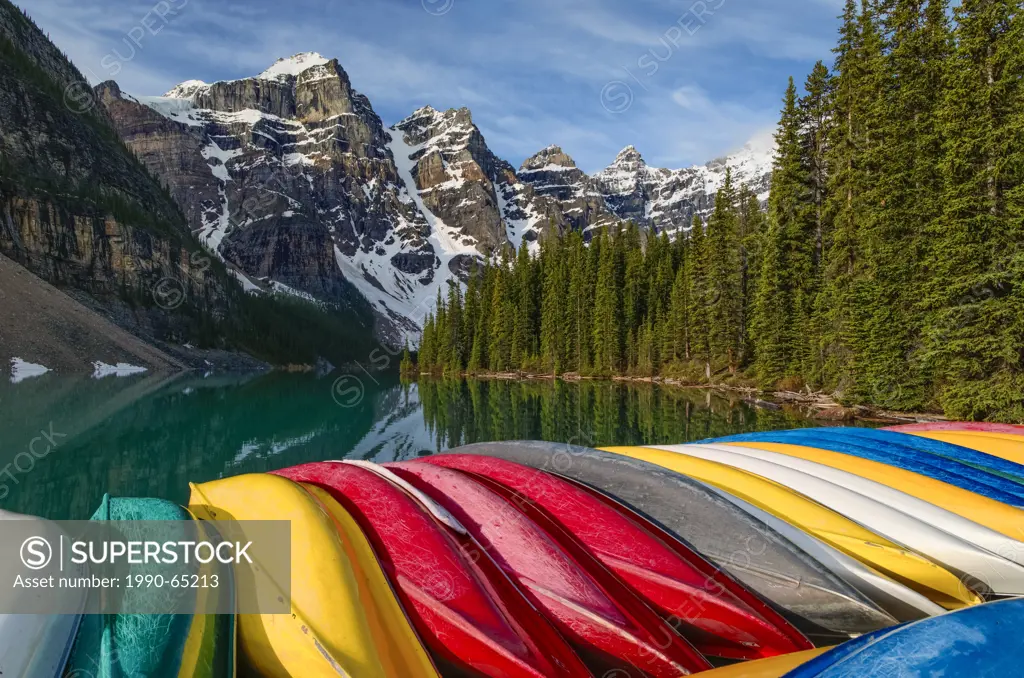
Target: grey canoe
[814, 599]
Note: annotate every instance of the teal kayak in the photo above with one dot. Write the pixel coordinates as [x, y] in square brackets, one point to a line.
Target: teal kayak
[154, 645]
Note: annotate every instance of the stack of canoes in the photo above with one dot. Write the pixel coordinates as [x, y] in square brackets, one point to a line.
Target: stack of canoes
[816, 552]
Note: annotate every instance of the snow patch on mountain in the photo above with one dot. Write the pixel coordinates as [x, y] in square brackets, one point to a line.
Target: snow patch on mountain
[292, 66]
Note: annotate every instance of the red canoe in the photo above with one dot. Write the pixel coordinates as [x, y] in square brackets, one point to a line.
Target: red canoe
[611, 627]
[717, 614]
[959, 426]
[467, 612]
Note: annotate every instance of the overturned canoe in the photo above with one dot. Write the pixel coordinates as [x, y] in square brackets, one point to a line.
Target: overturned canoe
[161, 645]
[345, 619]
[611, 628]
[37, 645]
[809, 595]
[1003, 445]
[465, 610]
[708, 606]
[976, 641]
[833, 528]
[960, 453]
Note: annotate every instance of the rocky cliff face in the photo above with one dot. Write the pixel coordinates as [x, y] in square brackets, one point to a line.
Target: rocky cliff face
[292, 178]
[92, 186]
[76, 208]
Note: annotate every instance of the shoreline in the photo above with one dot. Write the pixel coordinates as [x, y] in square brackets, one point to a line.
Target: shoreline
[820, 406]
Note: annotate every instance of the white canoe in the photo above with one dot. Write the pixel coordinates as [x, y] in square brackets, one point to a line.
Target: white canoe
[1002, 576]
[901, 602]
[37, 645]
[932, 514]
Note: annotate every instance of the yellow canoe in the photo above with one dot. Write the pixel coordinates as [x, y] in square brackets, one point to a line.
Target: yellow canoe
[908, 568]
[993, 514]
[1003, 445]
[211, 644]
[773, 667]
[345, 620]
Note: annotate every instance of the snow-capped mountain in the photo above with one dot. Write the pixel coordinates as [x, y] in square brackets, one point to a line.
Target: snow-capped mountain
[665, 199]
[293, 179]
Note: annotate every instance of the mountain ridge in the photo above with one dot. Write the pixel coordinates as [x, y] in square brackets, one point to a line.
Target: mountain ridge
[305, 186]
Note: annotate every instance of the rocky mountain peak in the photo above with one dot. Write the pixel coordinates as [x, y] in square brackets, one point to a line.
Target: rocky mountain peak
[185, 90]
[629, 156]
[550, 157]
[553, 174]
[286, 68]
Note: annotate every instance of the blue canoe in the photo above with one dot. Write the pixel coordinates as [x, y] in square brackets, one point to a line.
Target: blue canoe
[945, 470]
[980, 641]
[965, 455]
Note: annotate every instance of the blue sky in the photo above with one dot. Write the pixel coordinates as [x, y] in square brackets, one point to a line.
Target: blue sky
[685, 81]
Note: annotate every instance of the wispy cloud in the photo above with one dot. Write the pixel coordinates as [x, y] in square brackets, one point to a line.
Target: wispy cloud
[532, 71]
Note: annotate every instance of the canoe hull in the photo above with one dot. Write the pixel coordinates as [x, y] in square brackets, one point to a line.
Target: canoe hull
[344, 615]
[974, 641]
[832, 528]
[161, 646]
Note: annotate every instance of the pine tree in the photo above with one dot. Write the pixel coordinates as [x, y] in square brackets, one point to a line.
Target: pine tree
[471, 312]
[840, 311]
[608, 316]
[579, 306]
[406, 367]
[784, 299]
[454, 360]
[977, 324]
[815, 113]
[724, 278]
[442, 334]
[699, 297]
[553, 313]
[676, 326]
[771, 312]
[752, 227]
[524, 296]
[502, 319]
[427, 352]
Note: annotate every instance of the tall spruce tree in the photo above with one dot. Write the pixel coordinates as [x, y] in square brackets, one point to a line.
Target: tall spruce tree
[700, 297]
[503, 314]
[977, 325]
[784, 299]
[724, 301]
[752, 234]
[553, 313]
[608, 311]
